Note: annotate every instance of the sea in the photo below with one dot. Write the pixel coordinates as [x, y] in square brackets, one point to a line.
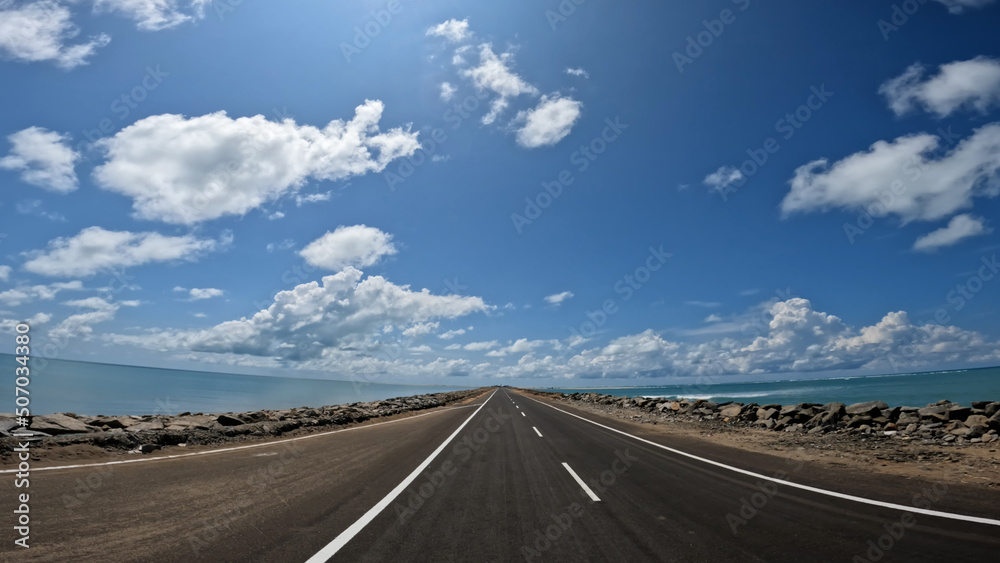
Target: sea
[904, 389]
[105, 389]
[95, 388]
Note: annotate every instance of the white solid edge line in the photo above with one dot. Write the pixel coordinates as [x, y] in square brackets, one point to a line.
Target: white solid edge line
[580, 482]
[835, 494]
[341, 540]
[524, 415]
[235, 448]
[537, 432]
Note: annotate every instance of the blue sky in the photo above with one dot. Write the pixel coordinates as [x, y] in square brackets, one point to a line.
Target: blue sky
[534, 193]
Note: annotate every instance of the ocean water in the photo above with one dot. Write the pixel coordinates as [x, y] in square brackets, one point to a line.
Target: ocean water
[92, 389]
[908, 389]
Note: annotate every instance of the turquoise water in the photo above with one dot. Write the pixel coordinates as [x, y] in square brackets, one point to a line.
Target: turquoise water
[908, 389]
[91, 388]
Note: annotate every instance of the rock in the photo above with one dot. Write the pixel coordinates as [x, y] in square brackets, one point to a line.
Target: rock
[148, 425]
[959, 413]
[977, 420]
[938, 413]
[731, 410]
[148, 448]
[949, 438]
[873, 408]
[838, 408]
[766, 413]
[228, 420]
[198, 422]
[911, 428]
[992, 408]
[907, 419]
[859, 420]
[789, 410]
[56, 424]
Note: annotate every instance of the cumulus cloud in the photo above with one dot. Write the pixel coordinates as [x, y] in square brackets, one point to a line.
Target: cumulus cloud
[548, 123]
[577, 72]
[342, 313]
[43, 158]
[959, 6]
[94, 249]
[447, 91]
[154, 15]
[452, 30]
[188, 170]
[558, 298]
[452, 334]
[959, 228]
[41, 31]
[27, 294]
[723, 177]
[357, 245]
[713, 319]
[493, 74]
[924, 187]
[420, 329]
[521, 346]
[199, 293]
[5, 273]
[479, 346]
[794, 338]
[80, 325]
[972, 84]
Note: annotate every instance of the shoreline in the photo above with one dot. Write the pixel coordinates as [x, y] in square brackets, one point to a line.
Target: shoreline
[71, 436]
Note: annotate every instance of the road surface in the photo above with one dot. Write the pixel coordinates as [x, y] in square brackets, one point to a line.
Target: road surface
[509, 478]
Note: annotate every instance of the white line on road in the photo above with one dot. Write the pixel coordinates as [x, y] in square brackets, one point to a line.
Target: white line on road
[835, 494]
[580, 482]
[537, 432]
[340, 541]
[522, 414]
[235, 448]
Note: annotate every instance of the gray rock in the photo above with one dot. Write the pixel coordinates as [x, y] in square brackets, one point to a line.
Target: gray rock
[766, 413]
[147, 425]
[959, 413]
[838, 408]
[228, 420]
[872, 408]
[977, 420]
[56, 424]
[731, 411]
[938, 413]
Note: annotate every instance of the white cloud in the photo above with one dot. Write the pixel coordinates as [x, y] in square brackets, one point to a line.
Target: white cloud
[200, 315]
[959, 6]
[40, 31]
[420, 329]
[521, 346]
[94, 249]
[453, 30]
[447, 91]
[341, 314]
[275, 216]
[558, 298]
[923, 187]
[493, 74]
[577, 72]
[188, 170]
[479, 346]
[79, 326]
[27, 294]
[713, 319]
[973, 84]
[723, 177]
[548, 123]
[301, 200]
[283, 245]
[5, 273]
[959, 228]
[154, 15]
[43, 158]
[451, 334]
[357, 246]
[205, 293]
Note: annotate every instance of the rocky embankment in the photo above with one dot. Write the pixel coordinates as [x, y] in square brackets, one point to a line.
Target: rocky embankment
[943, 422]
[151, 432]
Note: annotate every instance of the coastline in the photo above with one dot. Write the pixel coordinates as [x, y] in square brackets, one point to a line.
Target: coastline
[63, 436]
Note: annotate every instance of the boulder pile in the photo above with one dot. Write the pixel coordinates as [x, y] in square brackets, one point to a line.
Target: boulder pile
[943, 421]
[149, 432]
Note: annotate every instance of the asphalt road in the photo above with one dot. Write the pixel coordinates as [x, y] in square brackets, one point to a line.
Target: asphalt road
[505, 479]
